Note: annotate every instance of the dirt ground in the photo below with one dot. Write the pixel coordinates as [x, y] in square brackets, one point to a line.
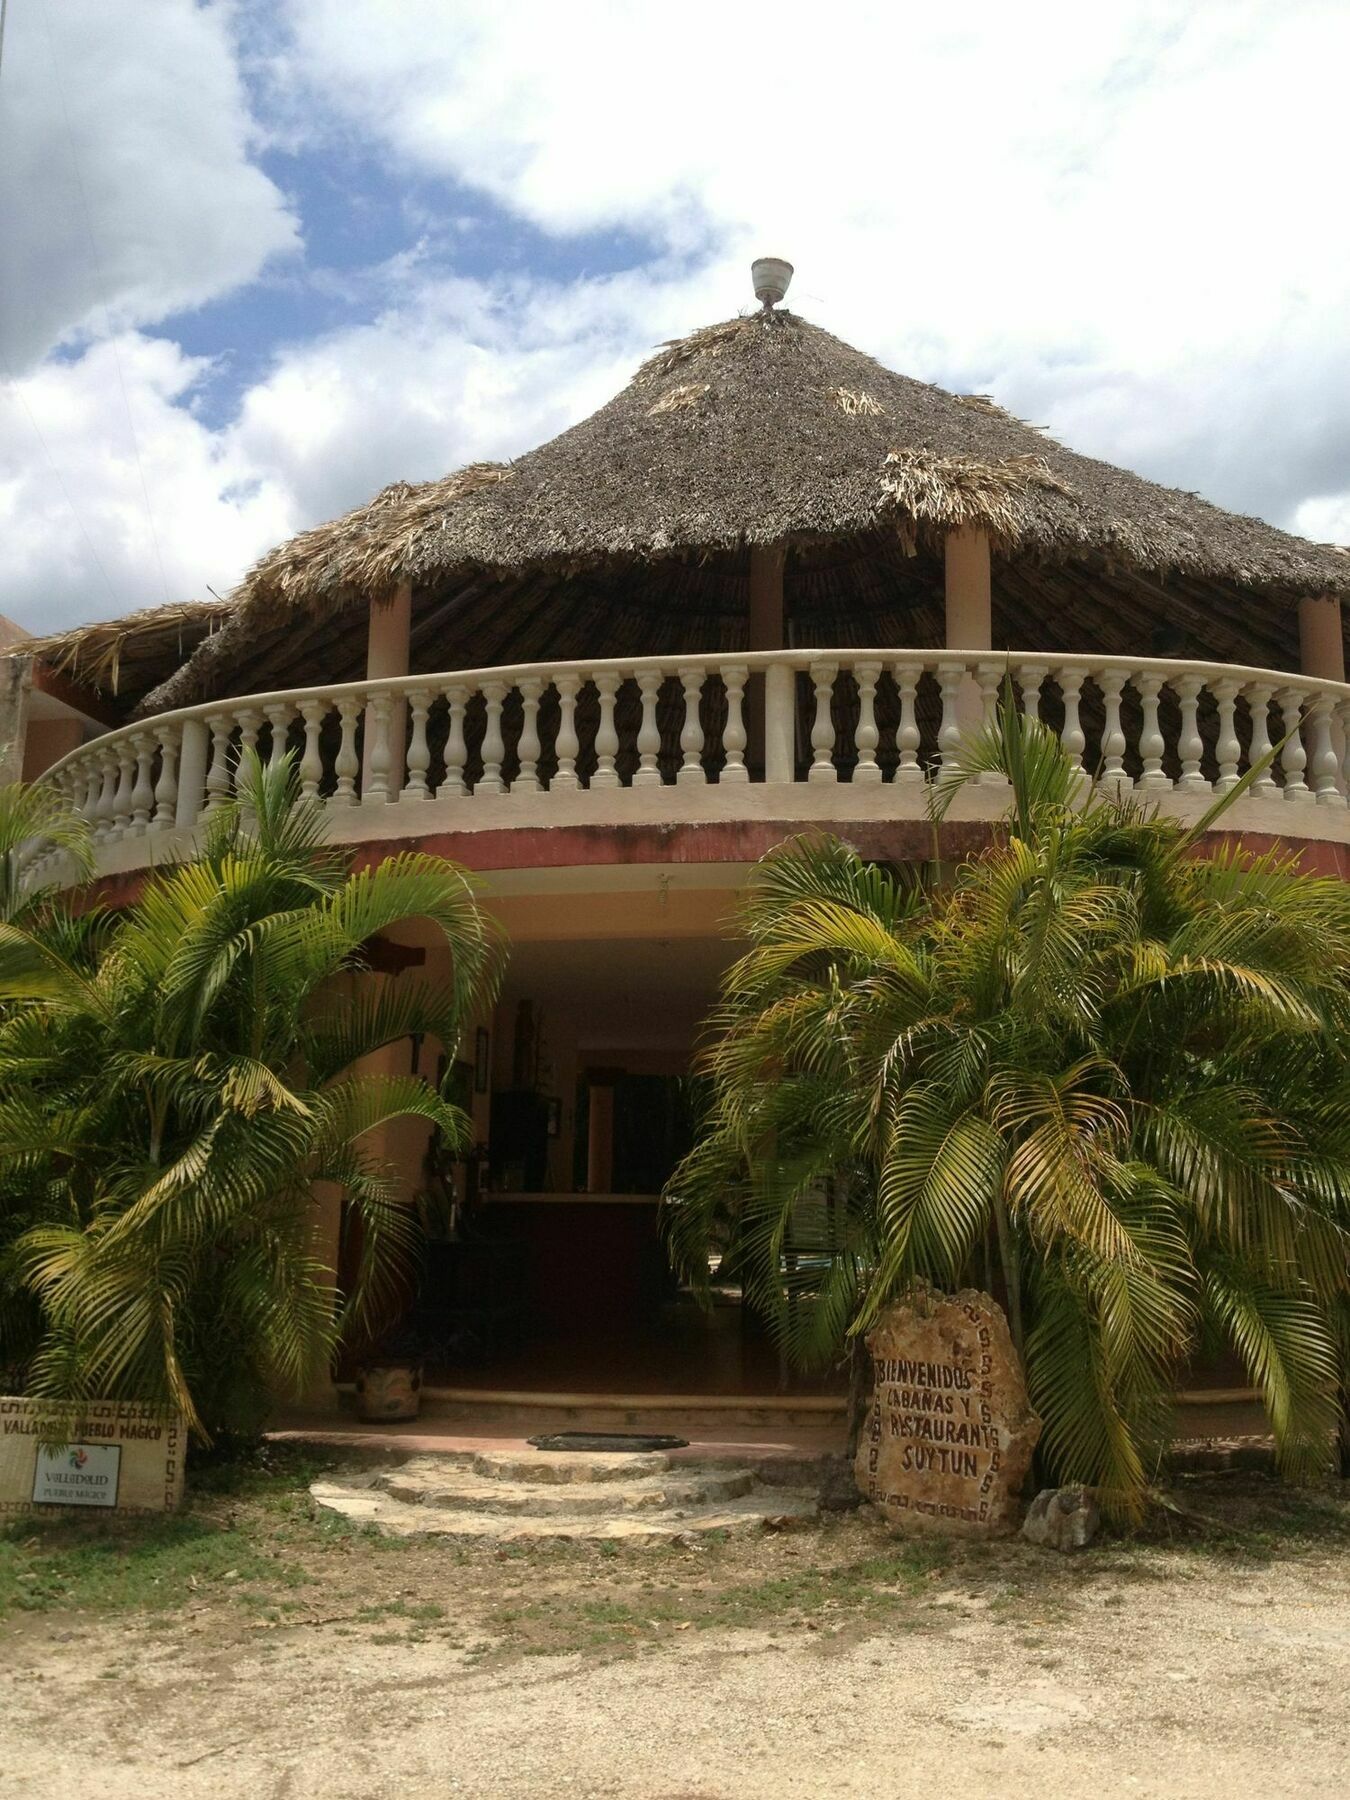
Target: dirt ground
[252, 1649]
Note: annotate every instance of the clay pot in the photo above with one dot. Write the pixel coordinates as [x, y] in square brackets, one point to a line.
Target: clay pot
[389, 1390]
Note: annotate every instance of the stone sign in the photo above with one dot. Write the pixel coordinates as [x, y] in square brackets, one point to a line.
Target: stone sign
[120, 1457]
[949, 1438]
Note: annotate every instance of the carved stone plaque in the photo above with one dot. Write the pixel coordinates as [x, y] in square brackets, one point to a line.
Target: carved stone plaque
[949, 1438]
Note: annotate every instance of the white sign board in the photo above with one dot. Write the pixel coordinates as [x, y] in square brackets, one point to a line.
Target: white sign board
[115, 1454]
[77, 1475]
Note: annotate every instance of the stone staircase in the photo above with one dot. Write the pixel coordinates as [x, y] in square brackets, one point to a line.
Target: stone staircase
[539, 1495]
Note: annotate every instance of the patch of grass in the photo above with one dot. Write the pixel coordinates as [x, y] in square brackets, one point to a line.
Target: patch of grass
[425, 1611]
[212, 1549]
[1254, 1518]
[77, 1565]
[275, 1475]
[867, 1589]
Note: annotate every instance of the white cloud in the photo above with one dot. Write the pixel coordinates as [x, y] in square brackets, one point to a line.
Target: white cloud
[458, 372]
[1048, 175]
[1122, 215]
[1326, 520]
[1123, 220]
[126, 189]
[461, 370]
[79, 541]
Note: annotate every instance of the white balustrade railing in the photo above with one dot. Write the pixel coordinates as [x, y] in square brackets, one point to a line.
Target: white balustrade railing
[862, 716]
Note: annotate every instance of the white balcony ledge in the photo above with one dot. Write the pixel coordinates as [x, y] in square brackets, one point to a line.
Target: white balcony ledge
[792, 737]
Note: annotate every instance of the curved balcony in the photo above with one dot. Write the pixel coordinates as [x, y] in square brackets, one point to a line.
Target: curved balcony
[810, 736]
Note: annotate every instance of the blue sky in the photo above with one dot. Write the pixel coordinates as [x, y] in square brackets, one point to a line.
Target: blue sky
[263, 256]
[361, 219]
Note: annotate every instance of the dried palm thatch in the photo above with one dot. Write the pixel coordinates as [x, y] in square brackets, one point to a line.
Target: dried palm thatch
[365, 552]
[958, 491]
[686, 395]
[849, 400]
[764, 430]
[707, 342]
[123, 658]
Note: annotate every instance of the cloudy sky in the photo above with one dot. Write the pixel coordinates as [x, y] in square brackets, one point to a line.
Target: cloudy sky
[259, 257]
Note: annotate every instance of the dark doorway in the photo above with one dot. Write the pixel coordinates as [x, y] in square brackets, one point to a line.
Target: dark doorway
[653, 1130]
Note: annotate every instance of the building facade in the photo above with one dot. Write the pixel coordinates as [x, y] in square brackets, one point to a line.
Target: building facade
[762, 591]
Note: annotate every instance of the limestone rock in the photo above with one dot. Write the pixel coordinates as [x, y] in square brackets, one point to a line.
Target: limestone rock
[1062, 1519]
[950, 1434]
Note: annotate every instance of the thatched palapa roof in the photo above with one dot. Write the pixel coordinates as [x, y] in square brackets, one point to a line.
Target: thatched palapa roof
[629, 532]
[124, 658]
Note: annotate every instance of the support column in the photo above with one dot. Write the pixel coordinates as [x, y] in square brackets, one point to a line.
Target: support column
[767, 631]
[967, 590]
[1321, 652]
[766, 596]
[387, 652]
[1321, 645]
[16, 681]
[600, 1132]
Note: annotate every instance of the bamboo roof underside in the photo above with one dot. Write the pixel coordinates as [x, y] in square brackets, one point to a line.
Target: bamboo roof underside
[123, 659]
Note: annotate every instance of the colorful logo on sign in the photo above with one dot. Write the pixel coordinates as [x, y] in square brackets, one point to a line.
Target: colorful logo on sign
[78, 1457]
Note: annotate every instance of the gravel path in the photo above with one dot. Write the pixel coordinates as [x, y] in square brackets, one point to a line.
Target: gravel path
[1199, 1679]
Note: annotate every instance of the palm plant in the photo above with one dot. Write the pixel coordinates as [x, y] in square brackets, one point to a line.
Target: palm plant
[171, 1089]
[31, 814]
[1096, 1062]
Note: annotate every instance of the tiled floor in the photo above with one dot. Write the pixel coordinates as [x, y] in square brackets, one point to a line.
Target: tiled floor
[683, 1351]
[421, 1437]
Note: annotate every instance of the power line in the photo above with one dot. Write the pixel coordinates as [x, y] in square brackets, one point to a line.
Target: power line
[101, 276]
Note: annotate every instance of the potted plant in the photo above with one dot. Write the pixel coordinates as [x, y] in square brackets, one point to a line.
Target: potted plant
[389, 1379]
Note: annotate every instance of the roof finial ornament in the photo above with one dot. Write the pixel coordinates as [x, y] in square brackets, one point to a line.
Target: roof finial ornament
[771, 276]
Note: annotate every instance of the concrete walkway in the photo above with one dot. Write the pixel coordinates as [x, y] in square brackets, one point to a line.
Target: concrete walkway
[766, 1447]
[785, 1441]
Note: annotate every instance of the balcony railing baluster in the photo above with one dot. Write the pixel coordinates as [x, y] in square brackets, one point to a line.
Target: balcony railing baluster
[1293, 757]
[822, 730]
[167, 740]
[1227, 747]
[566, 744]
[868, 738]
[606, 736]
[527, 744]
[691, 732]
[862, 718]
[734, 734]
[950, 676]
[346, 765]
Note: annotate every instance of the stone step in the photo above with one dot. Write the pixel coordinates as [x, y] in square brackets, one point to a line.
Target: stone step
[551, 1467]
[466, 1491]
[371, 1506]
